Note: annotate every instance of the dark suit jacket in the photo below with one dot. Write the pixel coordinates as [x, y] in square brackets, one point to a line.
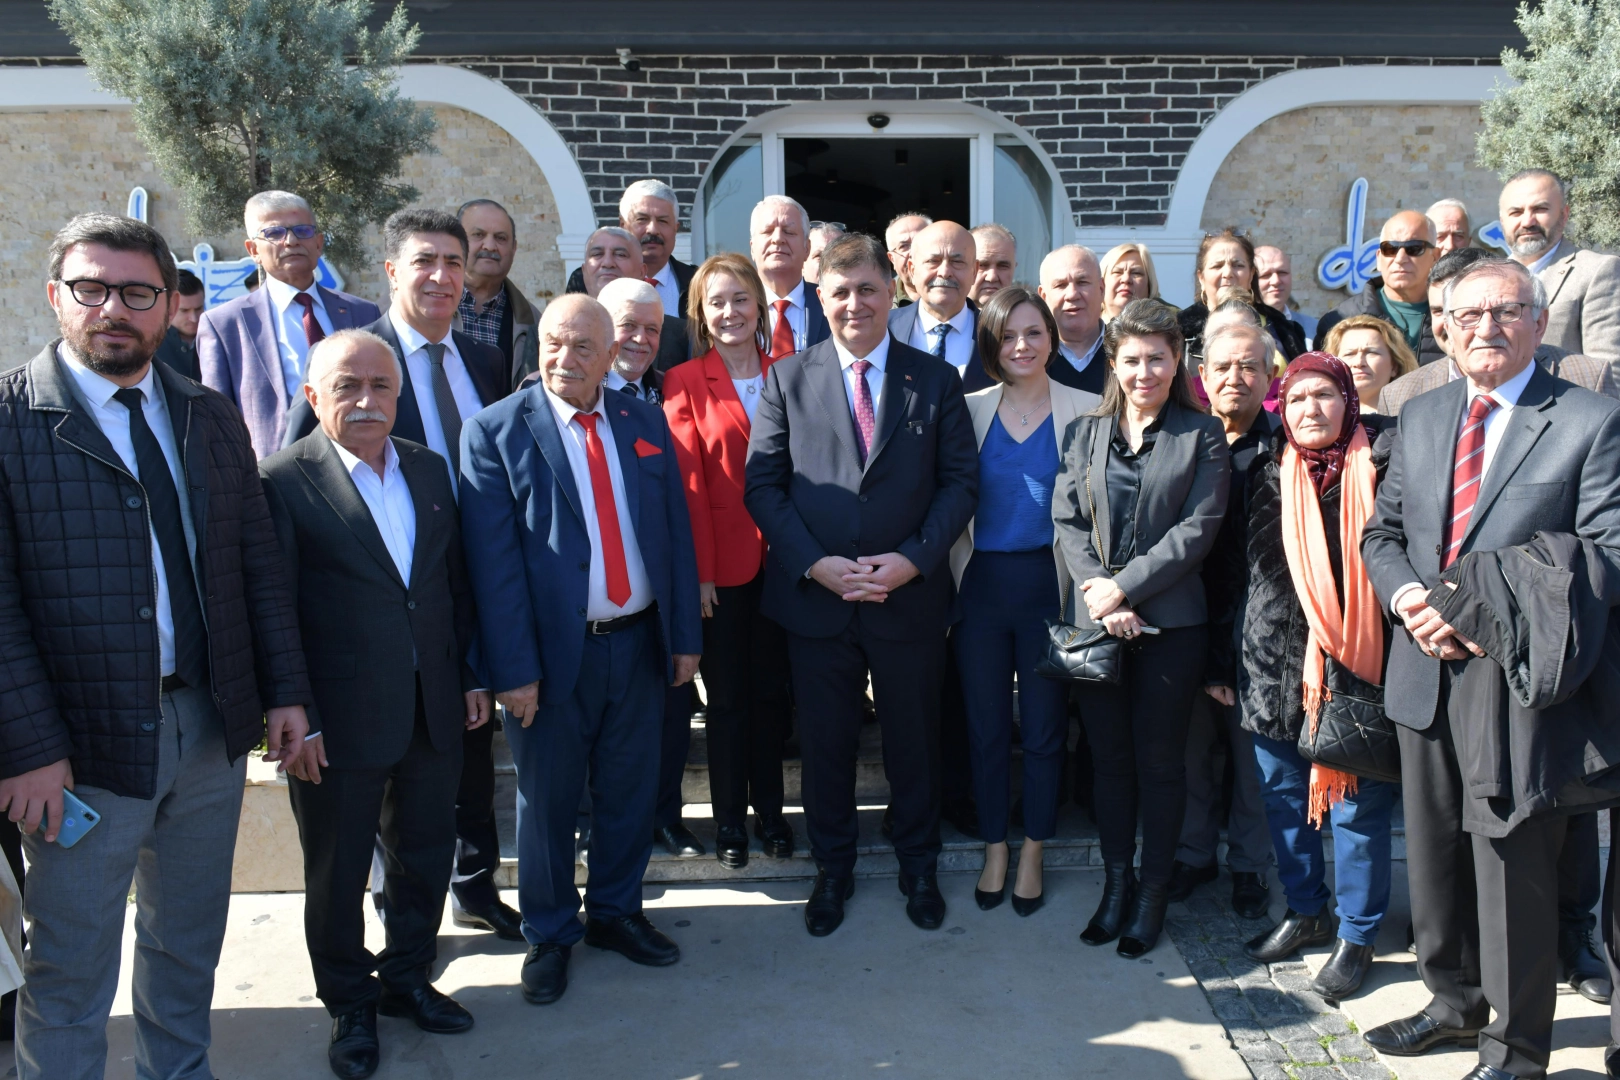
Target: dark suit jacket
[1178, 514]
[363, 627]
[527, 550]
[674, 344]
[902, 321]
[810, 496]
[1557, 469]
[486, 367]
[683, 277]
[180, 357]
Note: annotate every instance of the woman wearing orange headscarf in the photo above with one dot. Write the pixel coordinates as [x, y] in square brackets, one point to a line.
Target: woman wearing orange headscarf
[1308, 598]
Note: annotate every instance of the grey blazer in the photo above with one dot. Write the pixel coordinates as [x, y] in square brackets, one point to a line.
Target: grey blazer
[1583, 297]
[1595, 375]
[1556, 469]
[1179, 513]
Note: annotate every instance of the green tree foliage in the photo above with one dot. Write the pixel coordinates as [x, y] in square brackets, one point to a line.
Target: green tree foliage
[1564, 114]
[233, 97]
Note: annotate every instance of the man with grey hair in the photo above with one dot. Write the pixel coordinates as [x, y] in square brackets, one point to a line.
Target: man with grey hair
[1452, 229]
[651, 212]
[1399, 293]
[254, 349]
[1583, 287]
[494, 311]
[897, 238]
[779, 243]
[822, 233]
[613, 254]
[1071, 285]
[1274, 284]
[996, 264]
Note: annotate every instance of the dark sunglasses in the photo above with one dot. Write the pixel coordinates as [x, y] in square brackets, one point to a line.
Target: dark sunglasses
[1415, 248]
[92, 293]
[277, 233]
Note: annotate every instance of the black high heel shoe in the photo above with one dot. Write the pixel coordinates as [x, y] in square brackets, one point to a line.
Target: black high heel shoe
[988, 900]
[1147, 920]
[1026, 906]
[1116, 898]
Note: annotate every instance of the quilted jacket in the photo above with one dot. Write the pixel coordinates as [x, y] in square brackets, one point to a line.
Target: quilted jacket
[79, 667]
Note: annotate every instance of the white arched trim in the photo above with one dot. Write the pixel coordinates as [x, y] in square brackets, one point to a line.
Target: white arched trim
[44, 89]
[1175, 244]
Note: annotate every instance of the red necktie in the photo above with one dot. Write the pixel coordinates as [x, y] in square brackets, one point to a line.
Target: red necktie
[1465, 475]
[651, 281]
[607, 513]
[865, 416]
[312, 325]
[782, 335]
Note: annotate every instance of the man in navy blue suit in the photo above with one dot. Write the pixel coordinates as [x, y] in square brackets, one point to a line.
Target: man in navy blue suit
[779, 243]
[581, 559]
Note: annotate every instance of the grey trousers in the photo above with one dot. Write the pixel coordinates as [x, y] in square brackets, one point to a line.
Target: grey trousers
[177, 848]
[1248, 839]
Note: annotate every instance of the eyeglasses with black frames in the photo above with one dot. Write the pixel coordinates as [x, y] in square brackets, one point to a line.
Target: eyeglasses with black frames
[136, 296]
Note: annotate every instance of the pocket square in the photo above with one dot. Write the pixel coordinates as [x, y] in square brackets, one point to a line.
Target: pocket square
[646, 449]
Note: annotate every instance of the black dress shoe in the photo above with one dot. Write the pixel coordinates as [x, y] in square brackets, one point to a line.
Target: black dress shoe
[824, 911]
[1184, 879]
[1583, 969]
[924, 904]
[501, 920]
[430, 1010]
[731, 846]
[633, 937]
[545, 973]
[1118, 889]
[1251, 896]
[775, 834]
[1611, 1062]
[1294, 933]
[1414, 1035]
[1146, 923]
[353, 1052]
[1025, 906]
[1485, 1072]
[1341, 976]
[678, 840]
[964, 815]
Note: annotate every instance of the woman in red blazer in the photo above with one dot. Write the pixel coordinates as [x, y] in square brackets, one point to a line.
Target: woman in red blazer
[710, 402]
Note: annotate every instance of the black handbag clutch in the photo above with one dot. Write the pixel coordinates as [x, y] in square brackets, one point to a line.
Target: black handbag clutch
[1073, 653]
[1352, 733]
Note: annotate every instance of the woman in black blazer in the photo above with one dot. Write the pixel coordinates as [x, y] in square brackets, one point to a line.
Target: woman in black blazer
[1138, 501]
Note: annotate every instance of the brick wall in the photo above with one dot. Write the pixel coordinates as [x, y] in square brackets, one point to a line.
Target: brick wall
[1117, 127]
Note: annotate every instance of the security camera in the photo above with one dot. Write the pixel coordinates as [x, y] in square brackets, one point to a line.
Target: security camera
[628, 61]
[878, 120]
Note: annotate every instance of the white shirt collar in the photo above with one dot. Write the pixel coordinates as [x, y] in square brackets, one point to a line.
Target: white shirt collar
[281, 294]
[1508, 393]
[1082, 360]
[794, 296]
[615, 380]
[878, 357]
[411, 340]
[566, 412]
[1546, 260]
[961, 322]
[666, 275]
[98, 389]
[354, 464]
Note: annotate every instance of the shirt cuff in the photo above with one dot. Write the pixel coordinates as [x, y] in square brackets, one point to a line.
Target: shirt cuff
[312, 735]
[1394, 603]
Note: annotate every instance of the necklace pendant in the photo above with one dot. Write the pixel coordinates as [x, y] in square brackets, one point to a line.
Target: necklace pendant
[1026, 421]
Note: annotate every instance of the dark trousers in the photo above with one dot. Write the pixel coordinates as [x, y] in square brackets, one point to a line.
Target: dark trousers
[1484, 911]
[829, 681]
[607, 730]
[745, 670]
[1580, 874]
[478, 844]
[955, 757]
[1006, 599]
[412, 805]
[1611, 930]
[1138, 734]
[1248, 839]
[674, 743]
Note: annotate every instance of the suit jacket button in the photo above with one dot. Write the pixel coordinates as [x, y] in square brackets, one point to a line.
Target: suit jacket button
[145, 613]
[148, 726]
[863, 498]
[133, 502]
[585, 566]
[1437, 549]
[410, 605]
[582, 612]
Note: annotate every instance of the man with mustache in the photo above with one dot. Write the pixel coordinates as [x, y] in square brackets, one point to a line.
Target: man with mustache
[493, 311]
[612, 254]
[997, 267]
[649, 211]
[372, 540]
[1582, 286]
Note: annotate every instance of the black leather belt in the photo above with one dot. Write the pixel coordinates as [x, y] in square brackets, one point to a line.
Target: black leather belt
[623, 622]
[171, 683]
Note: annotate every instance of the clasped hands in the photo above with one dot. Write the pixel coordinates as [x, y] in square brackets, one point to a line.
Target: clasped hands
[870, 578]
[1105, 602]
[1429, 629]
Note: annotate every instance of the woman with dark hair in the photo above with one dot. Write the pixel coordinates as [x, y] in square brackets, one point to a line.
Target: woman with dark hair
[1137, 505]
[1008, 583]
[1308, 598]
[710, 402]
[1226, 261]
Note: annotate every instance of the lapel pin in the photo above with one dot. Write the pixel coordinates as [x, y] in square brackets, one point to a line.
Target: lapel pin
[624, 412]
[435, 506]
[908, 378]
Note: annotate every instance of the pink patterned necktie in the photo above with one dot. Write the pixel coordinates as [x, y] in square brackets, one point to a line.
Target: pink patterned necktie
[865, 418]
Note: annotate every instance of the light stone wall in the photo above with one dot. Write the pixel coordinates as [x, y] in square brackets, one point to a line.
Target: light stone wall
[1287, 183]
[54, 164]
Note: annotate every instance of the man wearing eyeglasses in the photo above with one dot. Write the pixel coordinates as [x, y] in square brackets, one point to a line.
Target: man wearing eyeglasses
[1400, 293]
[255, 349]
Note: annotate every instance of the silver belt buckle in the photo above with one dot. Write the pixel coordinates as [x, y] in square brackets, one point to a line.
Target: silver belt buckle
[592, 625]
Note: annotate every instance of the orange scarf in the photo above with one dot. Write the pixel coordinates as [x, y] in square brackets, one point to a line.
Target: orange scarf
[1355, 635]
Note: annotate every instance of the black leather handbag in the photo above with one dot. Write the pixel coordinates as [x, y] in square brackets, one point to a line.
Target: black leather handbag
[1352, 733]
[1073, 653]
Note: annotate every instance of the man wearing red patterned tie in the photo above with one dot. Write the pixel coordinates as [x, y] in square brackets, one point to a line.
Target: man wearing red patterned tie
[1480, 465]
[580, 553]
[779, 242]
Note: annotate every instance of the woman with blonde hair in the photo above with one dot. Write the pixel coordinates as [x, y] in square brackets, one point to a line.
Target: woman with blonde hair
[1127, 274]
[1376, 353]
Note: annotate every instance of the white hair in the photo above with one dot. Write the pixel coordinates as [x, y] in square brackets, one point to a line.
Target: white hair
[329, 346]
[619, 293]
[770, 201]
[1448, 204]
[1538, 291]
[613, 230]
[826, 229]
[1235, 319]
[646, 189]
[995, 232]
[268, 202]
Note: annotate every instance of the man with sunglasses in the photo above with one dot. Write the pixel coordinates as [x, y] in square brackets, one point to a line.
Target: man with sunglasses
[255, 349]
[1400, 293]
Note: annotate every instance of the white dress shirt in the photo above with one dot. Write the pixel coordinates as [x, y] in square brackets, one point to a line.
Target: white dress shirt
[796, 315]
[669, 291]
[615, 381]
[388, 497]
[1078, 362]
[290, 337]
[1546, 259]
[958, 342]
[96, 393]
[468, 403]
[748, 391]
[597, 604]
[879, 359]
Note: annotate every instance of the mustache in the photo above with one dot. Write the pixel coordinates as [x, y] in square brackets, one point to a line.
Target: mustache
[1497, 342]
[485, 253]
[357, 416]
[942, 283]
[112, 326]
[652, 238]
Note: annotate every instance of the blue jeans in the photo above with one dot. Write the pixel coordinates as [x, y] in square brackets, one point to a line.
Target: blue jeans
[1360, 841]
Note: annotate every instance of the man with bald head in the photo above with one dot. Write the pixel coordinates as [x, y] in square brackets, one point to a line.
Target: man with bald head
[368, 525]
[897, 236]
[1399, 294]
[581, 558]
[943, 322]
[1071, 285]
[613, 254]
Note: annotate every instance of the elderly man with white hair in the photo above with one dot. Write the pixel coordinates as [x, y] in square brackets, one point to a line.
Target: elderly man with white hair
[649, 210]
[779, 243]
[1452, 228]
[1072, 286]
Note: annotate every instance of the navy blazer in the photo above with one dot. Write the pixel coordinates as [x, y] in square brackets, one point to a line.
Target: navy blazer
[528, 554]
[903, 320]
[816, 328]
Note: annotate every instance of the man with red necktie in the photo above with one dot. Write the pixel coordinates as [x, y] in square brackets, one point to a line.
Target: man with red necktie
[779, 242]
[1484, 463]
[580, 553]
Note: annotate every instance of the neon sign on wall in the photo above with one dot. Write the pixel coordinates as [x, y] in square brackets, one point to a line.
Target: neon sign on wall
[1355, 262]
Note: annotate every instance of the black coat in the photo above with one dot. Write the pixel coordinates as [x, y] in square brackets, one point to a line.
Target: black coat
[683, 278]
[1366, 303]
[1226, 571]
[180, 356]
[79, 664]
[1288, 334]
[1274, 628]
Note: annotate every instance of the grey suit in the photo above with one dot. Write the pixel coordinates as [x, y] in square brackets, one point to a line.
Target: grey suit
[1484, 909]
[1594, 375]
[1583, 296]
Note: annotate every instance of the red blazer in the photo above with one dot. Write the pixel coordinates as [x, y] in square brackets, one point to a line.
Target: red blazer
[711, 431]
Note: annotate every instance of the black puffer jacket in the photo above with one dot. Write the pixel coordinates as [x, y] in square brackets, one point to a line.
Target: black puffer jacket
[1366, 303]
[1288, 334]
[1274, 627]
[79, 675]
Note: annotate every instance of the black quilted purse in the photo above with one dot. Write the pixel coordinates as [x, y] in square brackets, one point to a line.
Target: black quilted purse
[1352, 733]
[1074, 653]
